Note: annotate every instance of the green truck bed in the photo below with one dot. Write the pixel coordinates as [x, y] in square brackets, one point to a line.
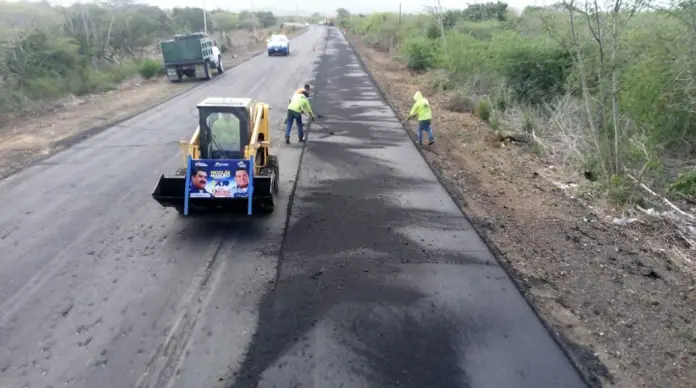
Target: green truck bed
[186, 49]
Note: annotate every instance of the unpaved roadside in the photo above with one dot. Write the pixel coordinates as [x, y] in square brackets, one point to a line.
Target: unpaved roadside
[623, 310]
[31, 137]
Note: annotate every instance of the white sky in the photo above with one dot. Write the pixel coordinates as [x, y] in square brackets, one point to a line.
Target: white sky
[305, 7]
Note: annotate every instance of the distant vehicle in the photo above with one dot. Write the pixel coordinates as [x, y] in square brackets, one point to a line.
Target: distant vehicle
[278, 44]
[191, 55]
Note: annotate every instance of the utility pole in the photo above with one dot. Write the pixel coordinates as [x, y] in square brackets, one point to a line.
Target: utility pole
[253, 16]
[205, 19]
[399, 14]
[442, 26]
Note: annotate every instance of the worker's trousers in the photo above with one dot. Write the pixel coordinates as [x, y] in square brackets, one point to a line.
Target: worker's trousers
[294, 116]
[424, 125]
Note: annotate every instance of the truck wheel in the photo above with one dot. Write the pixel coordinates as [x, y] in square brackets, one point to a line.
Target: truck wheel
[207, 70]
[221, 66]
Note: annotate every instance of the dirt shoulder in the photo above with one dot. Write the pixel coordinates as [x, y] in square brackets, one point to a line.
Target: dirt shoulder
[33, 136]
[623, 310]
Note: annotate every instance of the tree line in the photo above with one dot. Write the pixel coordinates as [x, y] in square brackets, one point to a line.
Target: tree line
[49, 51]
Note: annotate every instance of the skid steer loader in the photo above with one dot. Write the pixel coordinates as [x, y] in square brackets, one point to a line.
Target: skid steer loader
[227, 163]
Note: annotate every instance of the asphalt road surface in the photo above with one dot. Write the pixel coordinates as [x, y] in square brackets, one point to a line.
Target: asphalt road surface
[381, 282]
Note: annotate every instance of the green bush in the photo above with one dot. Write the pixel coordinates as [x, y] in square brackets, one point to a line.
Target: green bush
[422, 54]
[124, 71]
[685, 184]
[535, 72]
[150, 68]
[495, 121]
[484, 109]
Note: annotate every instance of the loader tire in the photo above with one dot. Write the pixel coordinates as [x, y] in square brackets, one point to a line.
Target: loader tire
[266, 206]
[275, 167]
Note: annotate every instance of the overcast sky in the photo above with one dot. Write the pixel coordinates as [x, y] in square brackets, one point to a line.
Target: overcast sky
[323, 6]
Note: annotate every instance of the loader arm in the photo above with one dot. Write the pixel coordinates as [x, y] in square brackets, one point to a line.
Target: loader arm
[259, 143]
[191, 147]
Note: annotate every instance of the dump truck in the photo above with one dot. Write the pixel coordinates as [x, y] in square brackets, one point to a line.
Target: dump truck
[227, 164]
[191, 55]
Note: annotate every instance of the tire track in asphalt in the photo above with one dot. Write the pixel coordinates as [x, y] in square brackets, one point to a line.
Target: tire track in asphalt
[173, 349]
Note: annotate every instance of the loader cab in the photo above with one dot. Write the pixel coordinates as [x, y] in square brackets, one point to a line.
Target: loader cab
[225, 127]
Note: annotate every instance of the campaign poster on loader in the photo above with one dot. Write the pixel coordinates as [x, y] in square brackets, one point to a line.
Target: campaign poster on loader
[219, 179]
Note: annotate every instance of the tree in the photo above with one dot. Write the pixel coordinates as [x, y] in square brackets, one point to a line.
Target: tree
[342, 14]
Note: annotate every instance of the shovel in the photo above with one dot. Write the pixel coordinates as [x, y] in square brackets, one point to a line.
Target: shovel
[322, 126]
[319, 116]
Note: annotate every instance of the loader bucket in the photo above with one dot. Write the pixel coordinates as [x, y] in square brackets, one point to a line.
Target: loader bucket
[211, 184]
[170, 191]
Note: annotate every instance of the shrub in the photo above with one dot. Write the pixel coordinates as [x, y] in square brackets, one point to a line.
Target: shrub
[149, 68]
[484, 109]
[685, 184]
[495, 121]
[535, 73]
[422, 54]
[440, 80]
[459, 101]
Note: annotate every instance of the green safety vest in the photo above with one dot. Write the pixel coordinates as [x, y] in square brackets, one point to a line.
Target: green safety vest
[299, 103]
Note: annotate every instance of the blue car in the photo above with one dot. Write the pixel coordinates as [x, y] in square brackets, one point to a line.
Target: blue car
[278, 45]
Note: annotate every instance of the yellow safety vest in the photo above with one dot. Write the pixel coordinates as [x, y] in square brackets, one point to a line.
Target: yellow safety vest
[299, 103]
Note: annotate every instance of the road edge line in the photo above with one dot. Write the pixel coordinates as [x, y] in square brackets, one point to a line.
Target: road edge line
[588, 378]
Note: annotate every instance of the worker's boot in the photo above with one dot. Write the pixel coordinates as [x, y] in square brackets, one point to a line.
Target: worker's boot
[287, 139]
[301, 139]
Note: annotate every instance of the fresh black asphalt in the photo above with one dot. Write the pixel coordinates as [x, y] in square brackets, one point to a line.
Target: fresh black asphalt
[383, 282]
[378, 280]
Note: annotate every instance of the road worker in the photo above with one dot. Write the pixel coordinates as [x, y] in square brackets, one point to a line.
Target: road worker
[298, 91]
[298, 104]
[421, 108]
[302, 90]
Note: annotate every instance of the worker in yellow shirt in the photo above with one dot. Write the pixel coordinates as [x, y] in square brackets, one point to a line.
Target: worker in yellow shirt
[421, 108]
[305, 89]
[298, 104]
